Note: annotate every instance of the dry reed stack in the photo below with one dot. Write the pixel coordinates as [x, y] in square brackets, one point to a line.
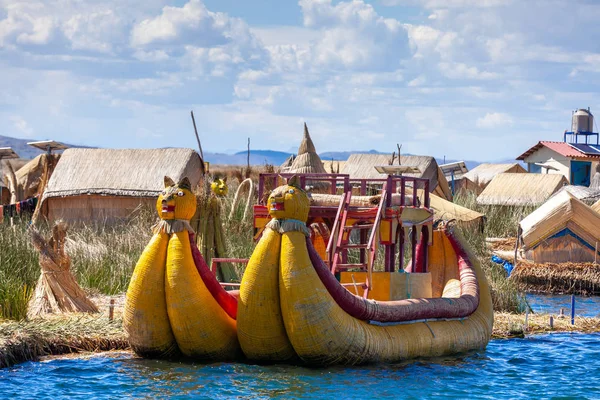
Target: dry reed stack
[48, 165]
[57, 290]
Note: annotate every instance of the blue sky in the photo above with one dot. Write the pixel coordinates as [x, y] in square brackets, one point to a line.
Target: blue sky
[465, 79]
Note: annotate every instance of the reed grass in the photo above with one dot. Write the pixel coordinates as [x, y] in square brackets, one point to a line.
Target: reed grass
[501, 222]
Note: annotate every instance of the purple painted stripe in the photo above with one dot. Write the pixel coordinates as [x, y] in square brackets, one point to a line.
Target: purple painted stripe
[227, 301]
[404, 310]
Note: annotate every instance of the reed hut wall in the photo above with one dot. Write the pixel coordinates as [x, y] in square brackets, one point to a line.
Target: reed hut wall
[561, 249]
[96, 208]
[517, 189]
[106, 185]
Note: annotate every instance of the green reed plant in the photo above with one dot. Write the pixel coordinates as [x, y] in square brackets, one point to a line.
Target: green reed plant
[19, 269]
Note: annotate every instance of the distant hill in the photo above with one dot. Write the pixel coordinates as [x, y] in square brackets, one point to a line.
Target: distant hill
[21, 147]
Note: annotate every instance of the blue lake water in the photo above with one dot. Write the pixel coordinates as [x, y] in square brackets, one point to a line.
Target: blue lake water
[553, 366]
[552, 303]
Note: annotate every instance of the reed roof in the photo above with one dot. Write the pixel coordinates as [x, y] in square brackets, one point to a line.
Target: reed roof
[483, 174]
[362, 166]
[516, 189]
[560, 212]
[121, 172]
[307, 161]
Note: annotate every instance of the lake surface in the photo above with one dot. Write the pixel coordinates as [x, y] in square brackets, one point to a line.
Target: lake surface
[552, 303]
[554, 366]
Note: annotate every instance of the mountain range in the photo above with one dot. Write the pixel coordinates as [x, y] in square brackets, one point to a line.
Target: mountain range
[257, 157]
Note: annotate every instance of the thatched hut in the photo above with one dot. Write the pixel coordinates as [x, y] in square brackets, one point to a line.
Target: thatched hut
[362, 166]
[307, 161]
[30, 176]
[563, 229]
[483, 174]
[107, 185]
[517, 189]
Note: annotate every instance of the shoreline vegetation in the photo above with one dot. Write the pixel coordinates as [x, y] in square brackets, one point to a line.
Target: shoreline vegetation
[103, 259]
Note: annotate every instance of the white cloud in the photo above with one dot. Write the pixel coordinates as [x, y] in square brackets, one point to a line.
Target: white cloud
[418, 81]
[352, 36]
[178, 23]
[105, 72]
[463, 71]
[448, 3]
[94, 31]
[494, 120]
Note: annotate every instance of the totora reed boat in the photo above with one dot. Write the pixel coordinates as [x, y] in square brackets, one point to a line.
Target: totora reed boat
[311, 292]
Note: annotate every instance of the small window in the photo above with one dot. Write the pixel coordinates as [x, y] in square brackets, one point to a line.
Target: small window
[534, 169]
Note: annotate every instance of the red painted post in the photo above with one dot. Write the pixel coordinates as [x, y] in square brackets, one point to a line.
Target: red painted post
[400, 240]
[413, 243]
[402, 191]
[415, 194]
[424, 240]
[261, 187]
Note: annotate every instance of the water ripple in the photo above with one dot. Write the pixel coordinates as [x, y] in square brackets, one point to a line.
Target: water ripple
[554, 366]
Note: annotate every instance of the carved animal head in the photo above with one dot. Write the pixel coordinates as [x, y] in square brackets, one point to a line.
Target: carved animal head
[289, 202]
[219, 187]
[177, 200]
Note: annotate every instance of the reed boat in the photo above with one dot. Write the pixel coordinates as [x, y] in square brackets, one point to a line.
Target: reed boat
[300, 300]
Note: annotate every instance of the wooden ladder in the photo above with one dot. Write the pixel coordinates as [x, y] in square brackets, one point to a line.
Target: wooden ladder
[339, 241]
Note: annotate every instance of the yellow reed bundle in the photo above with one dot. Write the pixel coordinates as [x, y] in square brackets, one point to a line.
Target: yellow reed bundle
[201, 327]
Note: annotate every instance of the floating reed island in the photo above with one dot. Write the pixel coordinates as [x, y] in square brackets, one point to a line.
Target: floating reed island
[563, 278]
[22, 341]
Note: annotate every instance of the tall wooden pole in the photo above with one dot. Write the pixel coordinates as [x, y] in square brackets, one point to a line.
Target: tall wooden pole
[197, 137]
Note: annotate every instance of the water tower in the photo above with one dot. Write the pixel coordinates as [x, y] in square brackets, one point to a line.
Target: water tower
[582, 128]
